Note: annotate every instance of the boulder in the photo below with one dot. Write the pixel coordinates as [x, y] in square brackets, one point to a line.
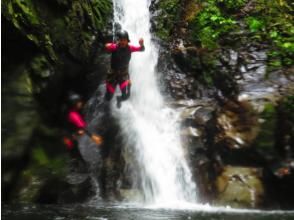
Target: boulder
[240, 187]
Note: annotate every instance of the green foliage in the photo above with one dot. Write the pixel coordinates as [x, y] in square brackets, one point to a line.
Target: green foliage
[210, 24]
[254, 24]
[169, 14]
[284, 46]
[232, 4]
[215, 22]
[271, 23]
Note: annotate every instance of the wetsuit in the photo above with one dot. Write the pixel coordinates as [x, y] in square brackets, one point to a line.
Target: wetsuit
[75, 122]
[119, 74]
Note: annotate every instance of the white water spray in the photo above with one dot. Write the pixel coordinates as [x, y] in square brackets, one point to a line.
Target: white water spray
[146, 123]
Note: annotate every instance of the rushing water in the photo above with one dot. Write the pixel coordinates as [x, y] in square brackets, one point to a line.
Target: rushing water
[147, 124]
[128, 212]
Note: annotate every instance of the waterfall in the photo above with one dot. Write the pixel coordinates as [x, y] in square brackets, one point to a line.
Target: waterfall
[147, 125]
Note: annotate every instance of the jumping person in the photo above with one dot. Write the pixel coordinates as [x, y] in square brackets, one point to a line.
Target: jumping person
[120, 59]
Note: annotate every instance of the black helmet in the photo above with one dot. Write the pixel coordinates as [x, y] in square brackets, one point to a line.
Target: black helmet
[123, 35]
[74, 98]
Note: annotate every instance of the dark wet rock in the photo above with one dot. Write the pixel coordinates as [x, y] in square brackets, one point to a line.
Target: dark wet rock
[79, 191]
[50, 187]
[76, 189]
[20, 120]
[180, 85]
[284, 131]
[194, 116]
[279, 179]
[238, 123]
[275, 138]
[190, 131]
[240, 187]
[110, 174]
[204, 173]
[197, 118]
[109, 180]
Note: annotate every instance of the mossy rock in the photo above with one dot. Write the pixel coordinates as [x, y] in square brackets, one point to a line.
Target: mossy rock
[240, 187]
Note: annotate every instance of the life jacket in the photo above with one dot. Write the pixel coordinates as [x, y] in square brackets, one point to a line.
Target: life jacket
[120, 58]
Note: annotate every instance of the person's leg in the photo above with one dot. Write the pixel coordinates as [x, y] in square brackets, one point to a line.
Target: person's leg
[111, 83]
[110, 89]
[125, 87]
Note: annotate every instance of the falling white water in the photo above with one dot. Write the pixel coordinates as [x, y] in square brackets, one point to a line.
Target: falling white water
[147, 124]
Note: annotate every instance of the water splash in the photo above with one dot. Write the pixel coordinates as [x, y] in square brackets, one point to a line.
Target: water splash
[146, 123]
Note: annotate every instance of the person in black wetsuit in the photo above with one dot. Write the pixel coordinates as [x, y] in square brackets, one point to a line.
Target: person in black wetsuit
[76, 126]
[119, 74]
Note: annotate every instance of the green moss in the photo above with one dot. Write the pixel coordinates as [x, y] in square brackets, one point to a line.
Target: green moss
[42, 160]
[41, 169]
[51, 27]
[24, 16]
[20, 13]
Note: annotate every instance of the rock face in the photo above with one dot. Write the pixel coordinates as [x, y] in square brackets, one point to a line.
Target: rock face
[240, 126]
[50, 48]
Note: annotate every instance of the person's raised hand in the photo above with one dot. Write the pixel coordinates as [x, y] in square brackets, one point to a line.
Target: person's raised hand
[141, 41]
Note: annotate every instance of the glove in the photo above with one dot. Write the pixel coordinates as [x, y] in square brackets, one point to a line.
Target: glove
[141, 41]
[97, 139]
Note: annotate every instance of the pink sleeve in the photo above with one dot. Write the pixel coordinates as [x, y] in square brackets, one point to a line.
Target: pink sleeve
[135, 48]
[110, 47]
[76, 119]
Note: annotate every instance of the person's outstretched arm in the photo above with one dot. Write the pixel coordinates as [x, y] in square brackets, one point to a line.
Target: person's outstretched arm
[110, 47]
[76, 119]
[138, 48]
